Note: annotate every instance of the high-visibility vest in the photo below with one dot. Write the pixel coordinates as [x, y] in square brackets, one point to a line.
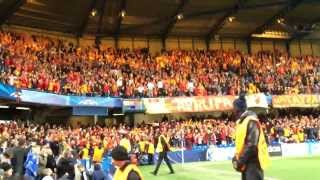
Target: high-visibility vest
[85, 153]
[301, 136]
[159, 145]
[123, 175]
[241, 132]
[98, 154]
[151, 148]
[126, 144]
[143, 145]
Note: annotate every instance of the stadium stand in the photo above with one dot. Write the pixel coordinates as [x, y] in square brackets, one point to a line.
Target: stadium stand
[61, 67]
[86, 143]
[81, 77]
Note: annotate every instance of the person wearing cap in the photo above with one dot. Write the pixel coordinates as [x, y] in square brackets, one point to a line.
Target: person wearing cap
[251, 155]
[125, 169]
[163, 147]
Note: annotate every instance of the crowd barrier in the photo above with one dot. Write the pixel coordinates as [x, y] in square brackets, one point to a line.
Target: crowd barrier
[285, 150]
[223, 153]
[185, 156]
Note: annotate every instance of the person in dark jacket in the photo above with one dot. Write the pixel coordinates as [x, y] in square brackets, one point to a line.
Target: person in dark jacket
[18, 158]
[251, 157]
[163, 148]
[65, 166]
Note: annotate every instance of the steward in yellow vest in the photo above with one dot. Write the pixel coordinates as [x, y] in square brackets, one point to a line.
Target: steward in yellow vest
[85, 152]
[147, 147]
[163, 147]
[125, 170]
[125, 142]
[98, 154]
[251, 155]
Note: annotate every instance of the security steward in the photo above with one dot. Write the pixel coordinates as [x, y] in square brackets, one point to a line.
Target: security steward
[251, 156]
[125, 169]
[163, 148]
[125, 142]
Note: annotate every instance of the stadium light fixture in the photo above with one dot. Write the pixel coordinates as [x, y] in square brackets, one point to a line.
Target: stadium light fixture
[120, 114]
[123, 13]
[180, 16]
[94, 12]
[280, 20]
[231, 18]
[273, 35]
[23, 108]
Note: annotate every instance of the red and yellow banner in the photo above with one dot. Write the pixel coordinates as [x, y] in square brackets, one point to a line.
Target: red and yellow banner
[188, 104]
[302, 100]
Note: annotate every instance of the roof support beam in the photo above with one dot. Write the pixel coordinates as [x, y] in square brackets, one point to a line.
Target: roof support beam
[173, 19]
[286, 9]
[209, 12]
[84, 22]
[219, 24]
[11, 10]
[123, 5]
[101, 10]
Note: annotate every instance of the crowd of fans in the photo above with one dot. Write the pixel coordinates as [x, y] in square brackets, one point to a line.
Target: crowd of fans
[46, 64]
[41, 150]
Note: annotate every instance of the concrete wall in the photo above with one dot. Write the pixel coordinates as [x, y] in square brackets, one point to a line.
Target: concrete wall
[74, 121]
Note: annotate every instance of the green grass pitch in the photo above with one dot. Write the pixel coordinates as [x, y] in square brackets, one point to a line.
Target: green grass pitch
[306, 168]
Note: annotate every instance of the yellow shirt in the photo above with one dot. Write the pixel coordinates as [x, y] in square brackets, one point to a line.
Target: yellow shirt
[126, 144]
[286, 132]
[85, 153]
[98, 154]
[84, 89]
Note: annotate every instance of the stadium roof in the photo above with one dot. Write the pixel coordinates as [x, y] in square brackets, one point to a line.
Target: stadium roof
[163, 18]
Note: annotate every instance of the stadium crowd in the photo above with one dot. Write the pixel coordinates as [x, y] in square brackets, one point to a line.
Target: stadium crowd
[46, 64]
[36, 151]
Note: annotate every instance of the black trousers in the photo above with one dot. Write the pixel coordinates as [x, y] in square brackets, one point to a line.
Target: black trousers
[163, 156]
[252, 172]
[150, 159]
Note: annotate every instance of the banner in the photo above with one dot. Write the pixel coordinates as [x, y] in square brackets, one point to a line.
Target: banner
[7, 92]
[295, 149]
[220, 153]
[303, 100]
[275, 150]
[188, 104]
[32, 96]
[63, 100]
[188, 156]
[314, 148]
[89, 111]
[133, 105]
[257, 100]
